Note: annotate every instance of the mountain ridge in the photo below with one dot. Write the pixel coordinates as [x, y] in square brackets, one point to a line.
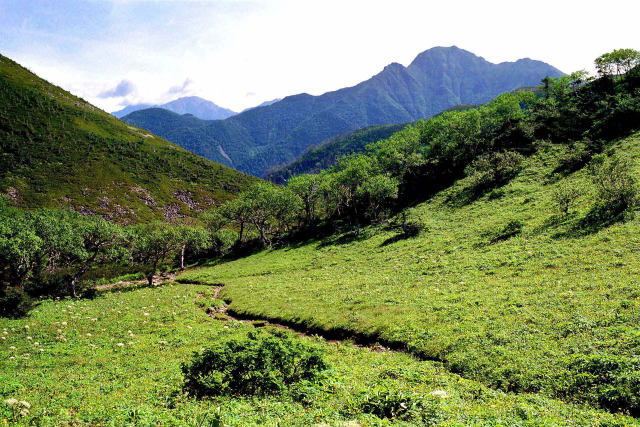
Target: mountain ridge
[438, 78]
[198, 107]
[57, 150]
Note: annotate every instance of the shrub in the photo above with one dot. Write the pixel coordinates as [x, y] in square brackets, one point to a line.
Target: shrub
[615, 186]
[261, 363]
[399, 405]
[493, 169]
[563, 196]
[576, 157]
[612, 382]
[14, 302]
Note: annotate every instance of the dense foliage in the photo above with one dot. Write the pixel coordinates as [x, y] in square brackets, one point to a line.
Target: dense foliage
[315, 159]
[256, 140]
[261, 363]
[58, 150]
[49, 252]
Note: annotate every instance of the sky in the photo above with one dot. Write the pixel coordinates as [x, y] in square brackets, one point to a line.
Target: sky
[239, 53]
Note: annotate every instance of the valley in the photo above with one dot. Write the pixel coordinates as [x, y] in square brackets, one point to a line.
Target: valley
[452, 242]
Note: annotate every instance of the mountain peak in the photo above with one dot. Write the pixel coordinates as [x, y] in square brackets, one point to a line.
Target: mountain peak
[198, 107]
[437, 79]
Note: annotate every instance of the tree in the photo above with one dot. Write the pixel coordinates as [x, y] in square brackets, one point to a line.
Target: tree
[351, 172]
[401, 154]
[620, 61]
[236, 211]
[99, 241]
[20, 247]
[377, 191]
[271, 209]
[152, 245]
[546, 84]
[308, 188]
[193, 239]
[77, 243]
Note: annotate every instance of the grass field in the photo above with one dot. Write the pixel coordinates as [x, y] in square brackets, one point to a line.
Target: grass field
[554, 310]
[115, 360]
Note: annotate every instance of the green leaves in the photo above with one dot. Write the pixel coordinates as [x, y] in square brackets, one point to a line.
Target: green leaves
[619, 61]
[261, 363]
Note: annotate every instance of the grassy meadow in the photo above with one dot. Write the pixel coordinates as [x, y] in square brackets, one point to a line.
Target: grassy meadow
[552, 310]
[115, 360]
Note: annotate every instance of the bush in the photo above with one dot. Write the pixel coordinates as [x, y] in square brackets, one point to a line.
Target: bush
[493, 169]
[611, 382]
[615, 186]
[261, 363]
[14, 302]
[563, 196]
[576, 157]
[399, 405]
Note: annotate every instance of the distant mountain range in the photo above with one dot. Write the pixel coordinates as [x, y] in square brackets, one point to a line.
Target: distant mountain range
[264, 104]
[196, 106]
[260, 138]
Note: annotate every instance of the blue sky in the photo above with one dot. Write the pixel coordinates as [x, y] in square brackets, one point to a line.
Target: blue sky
[239, 53]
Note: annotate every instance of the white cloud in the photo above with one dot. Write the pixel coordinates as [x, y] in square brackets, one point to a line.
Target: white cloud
[277, 48]
[124, 88]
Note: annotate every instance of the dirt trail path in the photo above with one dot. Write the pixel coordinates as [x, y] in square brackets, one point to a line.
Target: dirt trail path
[223, 313]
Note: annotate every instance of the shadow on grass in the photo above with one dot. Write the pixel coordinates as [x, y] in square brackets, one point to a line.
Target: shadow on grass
[411, 230]
[598, 218]
[135, 286]
[345, 239]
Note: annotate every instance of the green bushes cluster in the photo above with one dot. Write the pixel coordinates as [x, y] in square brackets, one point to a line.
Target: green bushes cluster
[611, 382]
[262, 363]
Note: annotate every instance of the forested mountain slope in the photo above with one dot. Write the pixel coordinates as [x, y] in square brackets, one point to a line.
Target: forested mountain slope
[258, 139]
[317, 158]
[320, 157]
[57, 150]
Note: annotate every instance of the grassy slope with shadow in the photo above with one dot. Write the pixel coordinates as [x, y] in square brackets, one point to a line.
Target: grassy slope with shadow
[515, 314]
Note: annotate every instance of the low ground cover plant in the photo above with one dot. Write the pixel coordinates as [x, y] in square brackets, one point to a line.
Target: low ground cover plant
[262, 363]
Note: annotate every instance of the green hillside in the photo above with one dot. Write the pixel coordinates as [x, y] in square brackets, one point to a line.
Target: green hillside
[57, 150]
[317, 158]
[509, 252]
[524, 314]
[256, 140]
